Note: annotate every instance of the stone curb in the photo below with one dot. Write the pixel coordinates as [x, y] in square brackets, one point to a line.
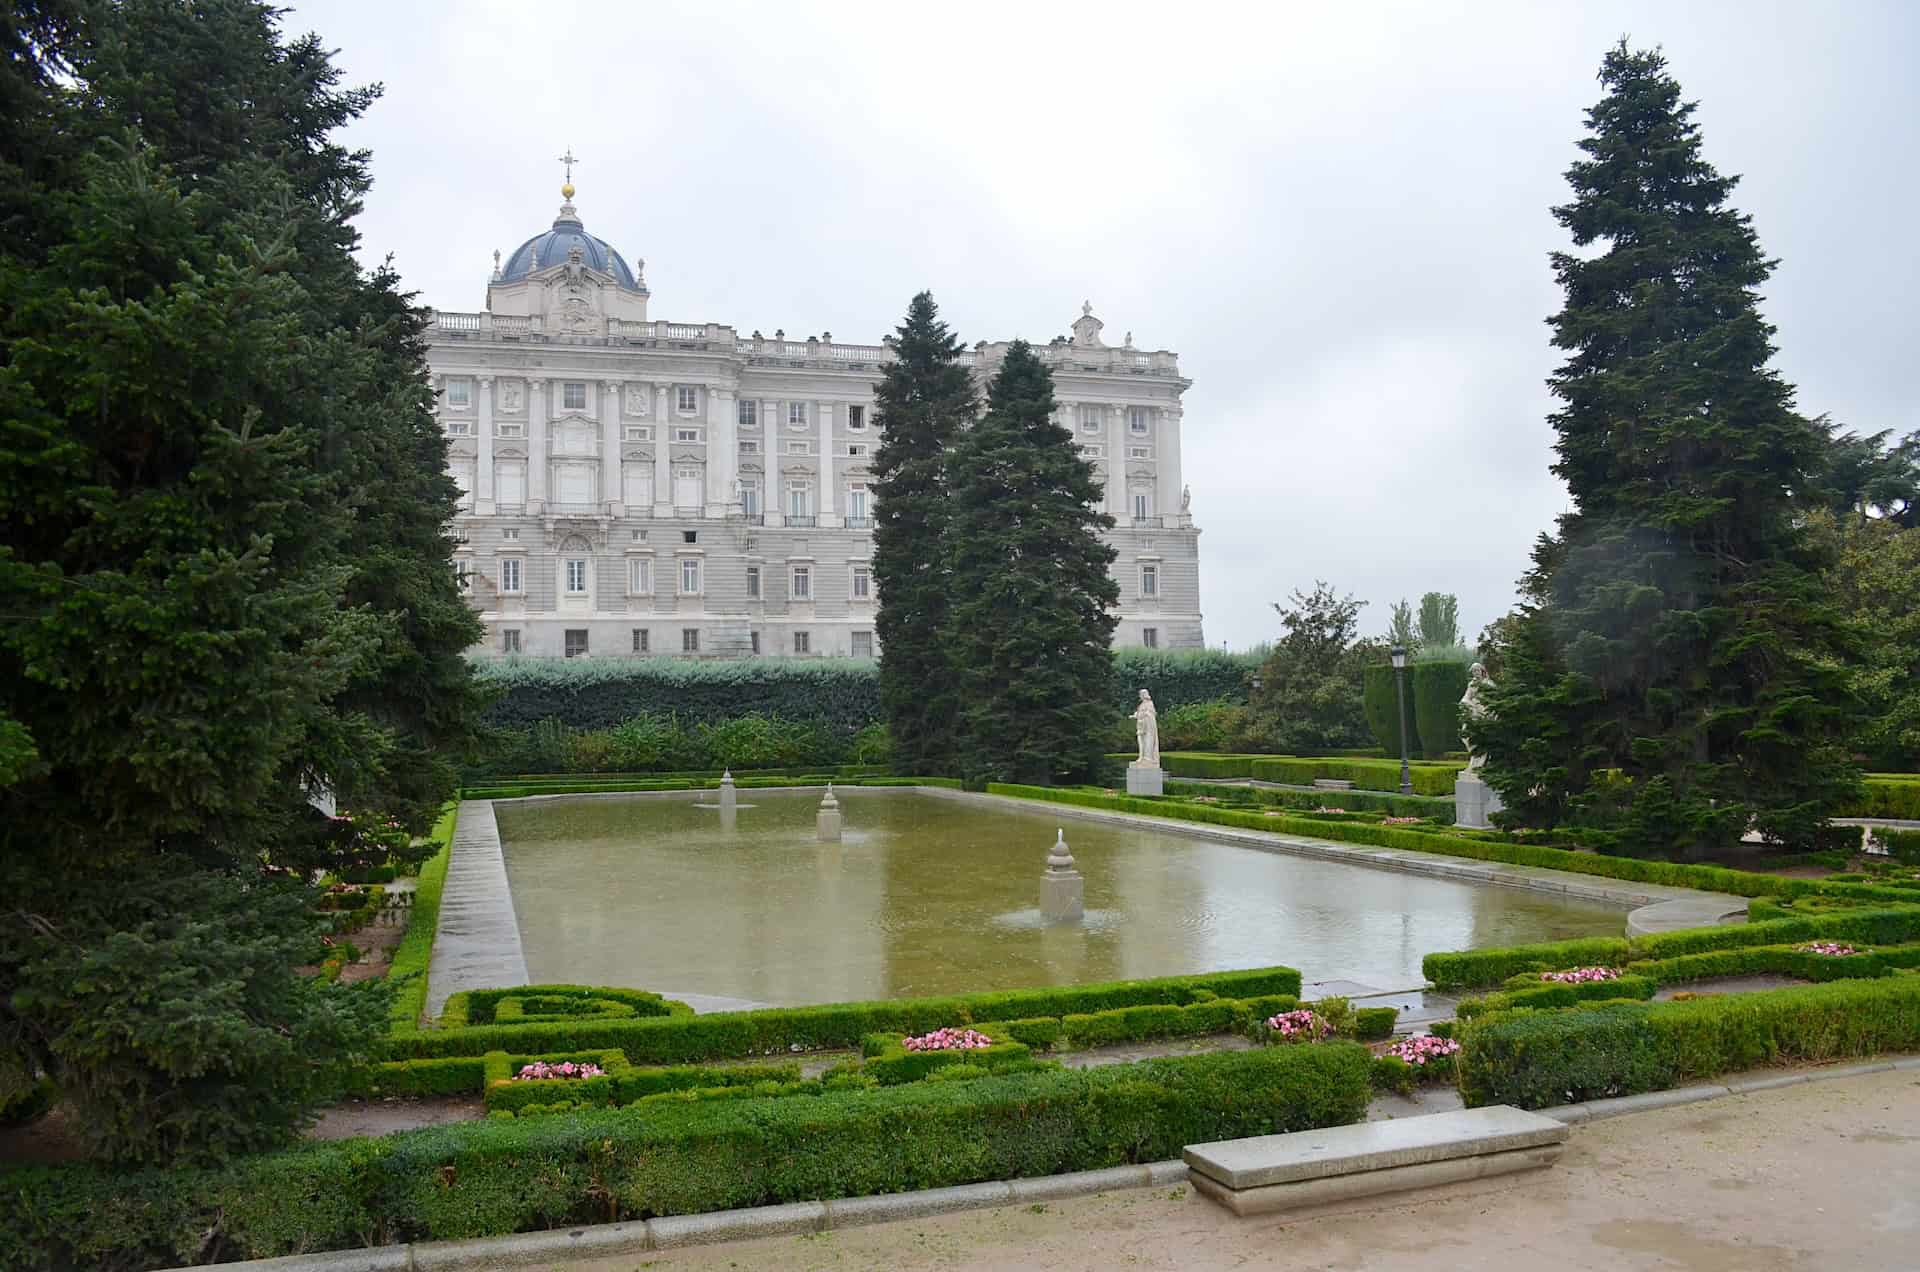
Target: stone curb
[539, 1249]
[1594, 1110]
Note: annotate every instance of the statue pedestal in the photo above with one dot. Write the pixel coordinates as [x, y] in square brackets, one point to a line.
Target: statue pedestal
[1145, 779]
[1473, 802]
[827, 821]
[1063, 892]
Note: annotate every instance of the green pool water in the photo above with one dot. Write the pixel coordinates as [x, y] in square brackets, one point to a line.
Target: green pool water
[927, 895]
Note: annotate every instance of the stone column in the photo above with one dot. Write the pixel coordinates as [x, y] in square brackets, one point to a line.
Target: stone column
[827, 500]
[1117, 502]
[723, 450]
[1167, 440]
[611, 494]
[773, 443]
[662, 464]
[483, 466]
[536, 444]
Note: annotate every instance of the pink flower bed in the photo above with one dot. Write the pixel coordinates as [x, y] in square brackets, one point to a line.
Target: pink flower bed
[540, 1071]
[948, 1040]
[1299, 1026]
[1422, 1049]
[1582, 975]
[1828, 949]
[1399, 821]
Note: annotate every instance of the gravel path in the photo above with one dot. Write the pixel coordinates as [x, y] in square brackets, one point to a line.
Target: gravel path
[1823, 1175]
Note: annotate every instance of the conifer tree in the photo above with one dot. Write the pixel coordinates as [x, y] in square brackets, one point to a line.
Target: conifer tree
[923, 400]
[223, 553]
[1676, 629]
[1031, 617]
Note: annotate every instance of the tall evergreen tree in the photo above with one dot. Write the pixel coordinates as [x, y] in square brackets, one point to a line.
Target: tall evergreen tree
[1439, 620]
[1677, 627]
[1031, 620]
[223, 552]
[922, 402]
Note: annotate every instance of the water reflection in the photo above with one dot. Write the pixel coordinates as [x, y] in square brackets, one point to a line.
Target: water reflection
[916, 899]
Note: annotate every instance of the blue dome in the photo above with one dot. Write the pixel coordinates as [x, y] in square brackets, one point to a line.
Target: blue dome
[544, 251]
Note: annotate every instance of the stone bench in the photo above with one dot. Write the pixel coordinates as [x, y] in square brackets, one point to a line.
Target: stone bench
[1333, 783]
[1270, 1173]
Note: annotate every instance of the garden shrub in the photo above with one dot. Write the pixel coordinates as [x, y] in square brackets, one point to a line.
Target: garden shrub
[1187, 764]
[1374, 1024]
[671, 1157]
[407, 973]
[1141, 1024]
[1903, 845]
[1428, 777]
[893, 1064]
[1896, 798]
[682, 1039]
[1382, 710]
[483, 1006]
[1537, 993]
[1538, 1059]
[1774, 960]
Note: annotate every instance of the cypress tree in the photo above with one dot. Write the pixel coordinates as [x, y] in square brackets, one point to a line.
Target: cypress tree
[1032, 598]
[924, 398]
[1678, 632]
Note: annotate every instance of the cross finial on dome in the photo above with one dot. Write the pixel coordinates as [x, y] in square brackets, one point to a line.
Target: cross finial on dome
[569, 159]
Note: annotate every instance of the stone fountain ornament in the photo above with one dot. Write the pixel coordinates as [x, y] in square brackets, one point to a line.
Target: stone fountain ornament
[729, 796]
[1144, 776]
[827, 822]
[1063, 891]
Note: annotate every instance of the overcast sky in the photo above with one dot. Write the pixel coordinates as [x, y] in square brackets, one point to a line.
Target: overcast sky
[1339, 220]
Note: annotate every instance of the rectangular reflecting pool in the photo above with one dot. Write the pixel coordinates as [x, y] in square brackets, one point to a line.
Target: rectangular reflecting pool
[927, 895]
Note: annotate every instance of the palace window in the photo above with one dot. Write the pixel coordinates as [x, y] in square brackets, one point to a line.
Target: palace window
[690, 640]
[799, 448]
[747, 413]
[510, 574]
[799, 500]
[753, 641]
[688, 400]
[576, 642]
[750, 448]
[510, 641]
[576, 577]
[1142, 505]
[686, 434]
[1150, 637]
[459, 428]
[689, 576]
[750, 498]
[511, 533]
[863, 644]
[639, 432]
[1139, 452]
[509, 428]
[796, 414]
[1139, 419]
[857, 504]
[1149, 580]
[856, 450]
[642, 640]
[460, 394]
[753, 582]
[573, 395]
[1090, 419]
[802, 642]
[862, 583]
[640, 577]
[856, 417]
[802, 589]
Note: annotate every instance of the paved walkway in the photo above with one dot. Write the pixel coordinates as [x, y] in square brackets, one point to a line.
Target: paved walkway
[477, 943]
[1824, 1175]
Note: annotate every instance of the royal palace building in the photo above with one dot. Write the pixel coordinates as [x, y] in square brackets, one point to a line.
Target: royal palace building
[633, 486]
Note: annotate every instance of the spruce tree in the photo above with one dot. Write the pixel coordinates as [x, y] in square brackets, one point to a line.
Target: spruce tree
[1676, 629]
[1031, 619]
[223, 552]
[923, 400]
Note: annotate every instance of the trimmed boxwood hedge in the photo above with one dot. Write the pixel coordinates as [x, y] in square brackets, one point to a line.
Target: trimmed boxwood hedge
[1469, 969]
[485, 1006]
[682, 1039]
[1206, 764]
[1773, 960]
[1429, 777]
[514, 789]
[408, 971]
[670, 1157]
[1538, 1059]
[1533, 992]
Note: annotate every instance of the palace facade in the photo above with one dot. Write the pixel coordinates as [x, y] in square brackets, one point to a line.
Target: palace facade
[633, 486]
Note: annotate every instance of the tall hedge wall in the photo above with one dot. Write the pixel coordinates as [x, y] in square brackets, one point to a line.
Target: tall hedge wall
[599, 693]
[1383, 711]
[1435, 689]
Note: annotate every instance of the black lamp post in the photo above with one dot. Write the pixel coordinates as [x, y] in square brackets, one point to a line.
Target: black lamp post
[1400, 692]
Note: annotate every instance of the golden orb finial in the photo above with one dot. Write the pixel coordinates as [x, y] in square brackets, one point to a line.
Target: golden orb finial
[566, 191]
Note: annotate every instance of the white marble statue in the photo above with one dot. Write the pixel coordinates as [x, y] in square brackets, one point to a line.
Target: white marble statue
[1186, 499]
[1146, 731]
[1473, 707]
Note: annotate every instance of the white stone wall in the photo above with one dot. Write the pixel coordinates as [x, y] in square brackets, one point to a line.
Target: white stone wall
[626, 445]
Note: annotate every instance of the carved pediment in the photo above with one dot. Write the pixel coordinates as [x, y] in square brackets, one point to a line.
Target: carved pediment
[510, 452]
[689, 457]
[751, 467]
[639, 453]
